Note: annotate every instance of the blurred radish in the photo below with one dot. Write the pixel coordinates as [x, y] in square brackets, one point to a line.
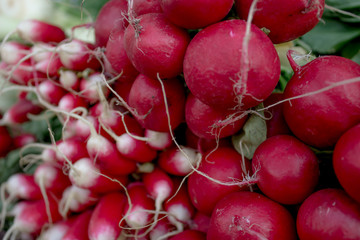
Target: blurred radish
[49, 66]
[58, 230]
[141, 7]
[22, 140]
[70, 101]
[23, 186]
[6, 141]
[91, 85]
[189, 235]
[79, 228]
[50, 91]
[69, 80]
[19, 112]
[200, 222]
[12, 52]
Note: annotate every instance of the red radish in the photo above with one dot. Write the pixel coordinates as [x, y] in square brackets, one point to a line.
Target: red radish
[246, 80]
[346, 161]
[31, 216]
[285, 22]
[200, 222]
[22, 139]
[91, 85]
[224, 165]
[158, 140]
[276, 125]
[85, 174]
[176, 162]
[210, 123]
[123, 89]
[196, 13]
[189, 235]
[137, 214]
[162, 228]
[320, 119]
[50, 178]
[6, 141]
[69, 80]
[118, 61]
[39, 31]
[147, 99]
[42, 51]
[252, 216]
[104, 222]
[77, 55]
[23, 186]
[79, 229]
[75, 199]
[24, 74]
[135, 149]
[51, 91]
[19, 112]
[80, 129]
[70, 101]
[111, 17]
[58, 230]
[141, 7]
[12, 52]
[287, 170]
[49, 66]
[329, 214]
[156, 46]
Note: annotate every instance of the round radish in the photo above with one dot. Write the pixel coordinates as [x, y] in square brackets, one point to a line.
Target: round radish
[346, 161]
[156, 46]
[222, 72]
[287, 170]
[193, 14]
[251, 216]
[320, 119]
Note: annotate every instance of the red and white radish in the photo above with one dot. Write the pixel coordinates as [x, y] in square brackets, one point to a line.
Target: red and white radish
[158, 140]
[12, 52]
[79, 228]
[23, 186]
[51, 91]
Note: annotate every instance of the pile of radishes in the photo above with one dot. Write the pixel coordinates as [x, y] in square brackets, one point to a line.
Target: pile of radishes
[173, 128]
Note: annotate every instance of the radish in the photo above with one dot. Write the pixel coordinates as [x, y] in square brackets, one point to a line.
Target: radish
[19, 112]
[110, 17]
[6, 141]
[69, 101]
[246, 80]
[79, 229]
[12, 52]
[49, 66]
[156, 46]
[105, 220]
[224, 165]
[285, 22]
[200, 222]
[141, 7]
[118, 62]
[320, 119]
[42, 51]
[85, 174]
[178, 162]
[58, 230]
[287, 170]
[210, 123]
[39, 31]
[196, 13]
[158, 140]
[51, 91]
[161, 229]
[23, 186]
[91, 85]
[147, 100]
[123, 89]
[69, 80]
[329, 214]
[346, 161]
[252, 216]
[21, 140]
[189, 235]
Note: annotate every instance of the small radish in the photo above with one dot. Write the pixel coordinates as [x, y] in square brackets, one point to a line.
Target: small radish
[39, 31]
[42, 51]
[50, 66]
[210, 123]
[200, 222]
[287, 170]
[158, 140]
[110, 18]
[22, 139]
[58, 230]
[91, 85]
[85, 174]
[196, 13]
[189, 235]
[252, 216]
[161, 229]
[23, 186]
[347, 163]
[320, 119]
[69, 80]
[24, 74]
[329, 214]
[12, 52]
[6, 141]
[147, 99]
[156, 46]
[141, 7]
[19, 112]
[105, 220]
[223, 165]
[79, 229]
[70, 101]
[51, 91]
[246, 80]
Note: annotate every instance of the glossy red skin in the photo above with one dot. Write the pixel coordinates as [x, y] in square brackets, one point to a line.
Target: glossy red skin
[106, 216]
[123, 89]
[224, 164]
[320, 119]
[212, 66]
[251, 216]
[109, 19]
[206, 121]
[74, 149]
[159, 48]
[42, 32]
[147, 98]
[141, 7]
[287, 169]
[285, 19]
[276, 125]
[51, 92]
[189, 235]
[79, 229]
[346, 161]
[194, 14]
[329, 214]
[200, 222]
[119, 62]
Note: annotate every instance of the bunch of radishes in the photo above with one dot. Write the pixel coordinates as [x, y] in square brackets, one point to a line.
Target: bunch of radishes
[158, 138]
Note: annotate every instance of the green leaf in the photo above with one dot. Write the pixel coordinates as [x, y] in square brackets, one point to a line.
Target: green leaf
[331, 36]
[344, 4]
